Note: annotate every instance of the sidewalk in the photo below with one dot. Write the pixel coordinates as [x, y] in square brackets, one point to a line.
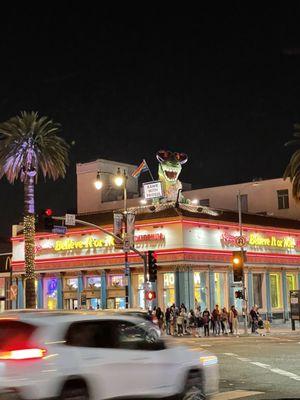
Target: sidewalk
[277, 329]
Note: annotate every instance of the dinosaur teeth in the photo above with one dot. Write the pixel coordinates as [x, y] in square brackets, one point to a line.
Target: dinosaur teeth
[171, 174]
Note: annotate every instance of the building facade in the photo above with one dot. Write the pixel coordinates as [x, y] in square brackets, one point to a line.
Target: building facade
[83, 269]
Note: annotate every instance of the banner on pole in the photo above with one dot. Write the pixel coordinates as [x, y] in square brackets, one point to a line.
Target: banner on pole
[130, 227]
[118, 223]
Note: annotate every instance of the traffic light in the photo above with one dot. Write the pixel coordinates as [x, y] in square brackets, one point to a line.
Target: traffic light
[238, 294]
[152, 266]
[48, 221]
[237, 260]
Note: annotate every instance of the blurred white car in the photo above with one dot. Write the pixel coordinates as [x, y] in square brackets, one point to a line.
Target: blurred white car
[82, 356]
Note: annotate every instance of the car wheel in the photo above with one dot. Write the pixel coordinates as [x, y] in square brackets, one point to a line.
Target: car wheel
[74, 390]
[193, 387]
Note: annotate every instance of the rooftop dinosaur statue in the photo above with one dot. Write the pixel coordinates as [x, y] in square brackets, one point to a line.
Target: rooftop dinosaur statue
[169, 168]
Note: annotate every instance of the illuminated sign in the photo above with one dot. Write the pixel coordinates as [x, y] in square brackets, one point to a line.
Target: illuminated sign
[258, 240]
[271, 241]
[94, 242]
[89, 243]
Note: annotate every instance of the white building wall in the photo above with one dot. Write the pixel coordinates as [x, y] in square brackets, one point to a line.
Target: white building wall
[262, 197]
[88, 198]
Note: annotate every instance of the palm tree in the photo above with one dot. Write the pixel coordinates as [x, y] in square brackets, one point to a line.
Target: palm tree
[292, 170]
[29, 145]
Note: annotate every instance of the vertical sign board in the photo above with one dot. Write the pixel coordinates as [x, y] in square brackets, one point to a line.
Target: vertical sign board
[295, 304]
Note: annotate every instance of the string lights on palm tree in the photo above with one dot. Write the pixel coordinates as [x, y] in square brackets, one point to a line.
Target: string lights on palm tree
[29, 146]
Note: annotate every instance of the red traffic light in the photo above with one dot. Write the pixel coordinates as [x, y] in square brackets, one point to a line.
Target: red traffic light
[150, 295]
[48, 212]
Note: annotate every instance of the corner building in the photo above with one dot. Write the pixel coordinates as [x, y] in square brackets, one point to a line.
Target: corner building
[83, 269]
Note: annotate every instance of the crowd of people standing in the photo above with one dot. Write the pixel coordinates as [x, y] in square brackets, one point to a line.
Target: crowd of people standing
[177, 321]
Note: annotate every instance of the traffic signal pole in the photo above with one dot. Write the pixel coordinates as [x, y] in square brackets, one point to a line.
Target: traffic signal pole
[243, 261]
[143, 256]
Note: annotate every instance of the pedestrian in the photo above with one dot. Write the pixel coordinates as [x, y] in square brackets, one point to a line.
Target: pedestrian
[206, 319]
[160, 318]
[180, 319]
[233, 319]
[172, 321]
[224, 321]
[192, 323]
[199, 321]
[216, 319]
[254, 319]
[167, 318]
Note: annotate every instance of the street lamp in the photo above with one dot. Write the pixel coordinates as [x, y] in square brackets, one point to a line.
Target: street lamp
[98, 183]
[242, 253]
[120, 180]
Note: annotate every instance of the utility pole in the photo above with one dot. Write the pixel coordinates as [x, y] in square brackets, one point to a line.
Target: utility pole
[243, 260]
[132, 248]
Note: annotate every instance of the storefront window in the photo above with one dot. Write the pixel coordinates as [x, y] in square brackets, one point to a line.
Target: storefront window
[72, 283]
[51, 293]
[220, 288]
[141, 292]
[257, 290]
[200, 292]
[275, 291]
[291, 282]
[116, 280]
[169, 289]
[94, 282]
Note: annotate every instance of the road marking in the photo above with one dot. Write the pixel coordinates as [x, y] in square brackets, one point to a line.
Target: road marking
[235, 394]
[278, 371]
[285, 373]
[259, 364]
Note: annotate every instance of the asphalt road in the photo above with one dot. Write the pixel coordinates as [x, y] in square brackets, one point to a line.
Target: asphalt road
[266, 364]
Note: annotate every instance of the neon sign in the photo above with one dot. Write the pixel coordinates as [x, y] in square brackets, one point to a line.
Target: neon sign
[258, 240]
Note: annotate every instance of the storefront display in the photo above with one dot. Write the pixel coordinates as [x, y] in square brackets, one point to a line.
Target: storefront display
[51, 293]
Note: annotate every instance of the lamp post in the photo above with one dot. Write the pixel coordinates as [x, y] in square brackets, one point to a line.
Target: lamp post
[242, 255]
[120, 181]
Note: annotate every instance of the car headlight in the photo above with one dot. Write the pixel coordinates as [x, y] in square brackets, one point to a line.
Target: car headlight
[208, 360]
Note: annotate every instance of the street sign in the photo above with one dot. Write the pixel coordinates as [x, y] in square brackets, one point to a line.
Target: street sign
[152, 190]
[70, 219]
[59, 229]
[295, 304]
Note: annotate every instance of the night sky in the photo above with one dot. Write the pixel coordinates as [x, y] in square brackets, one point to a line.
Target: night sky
[221, 85]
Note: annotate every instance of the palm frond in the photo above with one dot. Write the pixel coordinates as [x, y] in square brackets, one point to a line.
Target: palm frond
[29, 142]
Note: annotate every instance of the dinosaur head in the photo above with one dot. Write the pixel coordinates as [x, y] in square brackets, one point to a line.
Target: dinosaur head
[170, 164]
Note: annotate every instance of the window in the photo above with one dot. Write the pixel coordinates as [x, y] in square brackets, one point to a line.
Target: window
[136, 337]
[204, 202]
[169, 289]
[283, 199]
[275, 291]
[291, 282]
[257, 289]
[220, 288]
[94, 282]
[116, 280]
[200, 292]
[91, 334]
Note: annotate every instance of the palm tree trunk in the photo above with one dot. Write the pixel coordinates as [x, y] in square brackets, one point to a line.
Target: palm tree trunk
[29, 232]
